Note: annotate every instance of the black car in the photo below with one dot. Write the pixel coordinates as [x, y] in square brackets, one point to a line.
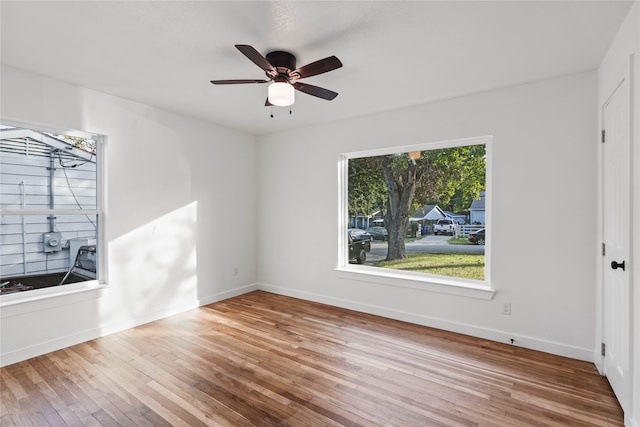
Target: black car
[358, 249]
[477, 237]
[360, 234]
[378, 233]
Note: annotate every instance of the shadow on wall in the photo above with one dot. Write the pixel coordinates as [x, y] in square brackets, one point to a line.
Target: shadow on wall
[153, 268]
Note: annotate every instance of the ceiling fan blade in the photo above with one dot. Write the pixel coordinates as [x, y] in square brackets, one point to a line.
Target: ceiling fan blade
[319, 67]
[256, 57]
[237, 82]
[320, 92]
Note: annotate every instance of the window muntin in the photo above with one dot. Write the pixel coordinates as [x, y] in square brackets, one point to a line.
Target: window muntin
[50, 208]
[375, 217]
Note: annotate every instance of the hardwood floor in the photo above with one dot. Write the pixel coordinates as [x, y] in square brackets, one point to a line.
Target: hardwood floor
[267, 360]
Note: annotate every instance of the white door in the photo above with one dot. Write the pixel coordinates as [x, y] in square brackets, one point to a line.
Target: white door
[616, 215]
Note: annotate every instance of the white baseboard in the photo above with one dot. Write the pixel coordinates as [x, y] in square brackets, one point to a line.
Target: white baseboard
[491, 334]
[533, 343]
[58, 343]
[39, 349]
[227, 294]
[153, 316]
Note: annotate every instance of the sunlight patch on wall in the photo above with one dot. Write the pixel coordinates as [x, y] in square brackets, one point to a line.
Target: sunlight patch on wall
[155, 265]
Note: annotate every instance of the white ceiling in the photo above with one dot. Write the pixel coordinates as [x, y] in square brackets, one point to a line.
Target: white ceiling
[395, 53]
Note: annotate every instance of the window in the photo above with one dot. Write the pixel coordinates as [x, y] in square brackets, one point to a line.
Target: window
[418, 212]
[50, 209]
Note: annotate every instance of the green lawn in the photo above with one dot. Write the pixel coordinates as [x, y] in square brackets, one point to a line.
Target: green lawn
[459, 241]
[467, 266]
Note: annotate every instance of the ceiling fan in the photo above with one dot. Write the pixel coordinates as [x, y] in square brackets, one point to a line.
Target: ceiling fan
[280, 68]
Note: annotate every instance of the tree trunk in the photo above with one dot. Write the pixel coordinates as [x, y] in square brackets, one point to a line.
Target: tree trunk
[401, 188]
[396, 229]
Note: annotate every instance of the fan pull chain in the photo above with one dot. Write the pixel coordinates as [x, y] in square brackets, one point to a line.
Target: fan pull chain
[271, 115]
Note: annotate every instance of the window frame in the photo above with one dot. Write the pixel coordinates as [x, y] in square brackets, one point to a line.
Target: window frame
[481, 289]
[99, 212]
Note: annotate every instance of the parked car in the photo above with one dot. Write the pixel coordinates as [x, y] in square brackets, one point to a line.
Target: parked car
[360, 234]
[378, 233]
[358, 249]
[444, 226]
[477, 237]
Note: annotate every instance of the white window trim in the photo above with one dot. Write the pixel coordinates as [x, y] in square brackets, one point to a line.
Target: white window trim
[47, 298]
[101, 282]
[480, 289]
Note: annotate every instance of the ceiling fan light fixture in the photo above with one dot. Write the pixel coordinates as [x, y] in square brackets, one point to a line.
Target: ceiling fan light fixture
[281, 94]
[280, 68]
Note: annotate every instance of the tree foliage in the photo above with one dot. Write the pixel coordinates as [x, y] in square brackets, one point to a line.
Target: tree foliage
[367, 191]
[457, 176]
[88, 145]
[397, 184]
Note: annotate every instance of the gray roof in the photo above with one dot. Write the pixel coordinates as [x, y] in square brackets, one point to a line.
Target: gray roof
[478, 205]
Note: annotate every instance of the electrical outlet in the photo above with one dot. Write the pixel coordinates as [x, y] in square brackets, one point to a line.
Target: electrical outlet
[235, 271]
[506, 308]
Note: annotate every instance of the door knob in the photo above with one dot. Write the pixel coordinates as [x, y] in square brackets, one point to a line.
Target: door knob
[615, 265]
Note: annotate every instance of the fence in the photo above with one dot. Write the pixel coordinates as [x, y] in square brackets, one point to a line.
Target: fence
[463, 230]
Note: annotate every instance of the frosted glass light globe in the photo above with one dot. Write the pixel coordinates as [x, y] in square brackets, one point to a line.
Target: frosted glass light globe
[281, 94]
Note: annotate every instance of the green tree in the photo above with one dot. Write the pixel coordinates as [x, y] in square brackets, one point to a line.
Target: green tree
[402, 175]
[458, 175]
[367, 192]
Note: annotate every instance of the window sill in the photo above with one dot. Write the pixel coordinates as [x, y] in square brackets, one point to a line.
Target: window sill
[421, 281]
[20, 302]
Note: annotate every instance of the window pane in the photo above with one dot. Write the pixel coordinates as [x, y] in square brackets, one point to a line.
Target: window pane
[40, 170]
[420, 211]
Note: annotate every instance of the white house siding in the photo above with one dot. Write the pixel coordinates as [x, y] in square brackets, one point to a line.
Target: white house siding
[24, 185]
[477, 210]
[477, 217]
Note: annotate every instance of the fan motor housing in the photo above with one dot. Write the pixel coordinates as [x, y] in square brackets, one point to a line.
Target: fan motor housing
[281, 59]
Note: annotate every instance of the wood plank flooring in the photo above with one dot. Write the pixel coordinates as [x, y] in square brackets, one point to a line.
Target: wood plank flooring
[267, 360]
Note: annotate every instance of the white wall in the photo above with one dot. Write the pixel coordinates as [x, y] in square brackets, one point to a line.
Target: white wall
[543, 155]
[626, 48]
[181, 215]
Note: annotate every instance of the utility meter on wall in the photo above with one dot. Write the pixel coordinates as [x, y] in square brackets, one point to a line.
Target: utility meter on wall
[52, 242]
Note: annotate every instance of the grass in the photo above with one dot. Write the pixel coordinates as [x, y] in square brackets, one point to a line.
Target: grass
[460, 241]
[468, 266]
